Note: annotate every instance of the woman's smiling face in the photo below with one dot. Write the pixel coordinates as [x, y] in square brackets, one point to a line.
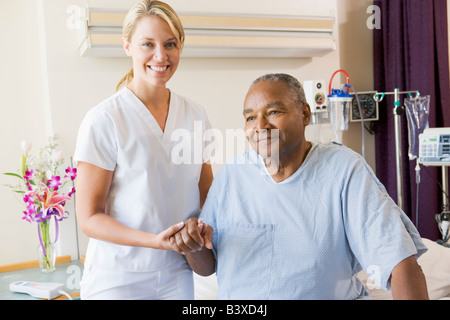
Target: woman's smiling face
[155, 51]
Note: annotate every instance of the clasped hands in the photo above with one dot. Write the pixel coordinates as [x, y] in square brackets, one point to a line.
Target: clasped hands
[193, 236]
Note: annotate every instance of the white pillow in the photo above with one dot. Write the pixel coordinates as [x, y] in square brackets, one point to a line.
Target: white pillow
[205, 288]
[435, 264]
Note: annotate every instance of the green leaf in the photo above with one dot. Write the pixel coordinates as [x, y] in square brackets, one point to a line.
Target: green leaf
[14, 175]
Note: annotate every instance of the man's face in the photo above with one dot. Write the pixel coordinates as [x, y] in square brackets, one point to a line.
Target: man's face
[274, 124]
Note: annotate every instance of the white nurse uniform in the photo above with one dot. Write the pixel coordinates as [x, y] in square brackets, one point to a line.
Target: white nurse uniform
[149, 192]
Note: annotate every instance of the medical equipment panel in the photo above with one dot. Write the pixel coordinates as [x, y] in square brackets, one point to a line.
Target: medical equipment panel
[434, 147]
[434, 150]
[316, 96]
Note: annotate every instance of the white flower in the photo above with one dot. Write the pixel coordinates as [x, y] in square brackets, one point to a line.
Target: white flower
[57, 155]
[26, 145]
[48, 174]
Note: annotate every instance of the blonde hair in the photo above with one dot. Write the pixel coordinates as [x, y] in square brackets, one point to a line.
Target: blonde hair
[146, 8]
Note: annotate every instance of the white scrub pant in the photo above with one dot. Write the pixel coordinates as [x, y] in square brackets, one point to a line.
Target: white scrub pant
[174, 283]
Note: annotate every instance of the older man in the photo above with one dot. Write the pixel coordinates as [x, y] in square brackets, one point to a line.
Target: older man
[304, 227]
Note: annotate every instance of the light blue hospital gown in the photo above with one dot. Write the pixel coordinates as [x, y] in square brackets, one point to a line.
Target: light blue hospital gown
[308, 236]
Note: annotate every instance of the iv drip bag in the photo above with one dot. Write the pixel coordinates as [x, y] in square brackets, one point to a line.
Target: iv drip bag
[417, 111]
[340, 103]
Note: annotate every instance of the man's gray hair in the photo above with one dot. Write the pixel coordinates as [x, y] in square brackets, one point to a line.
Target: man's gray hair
[296, 87]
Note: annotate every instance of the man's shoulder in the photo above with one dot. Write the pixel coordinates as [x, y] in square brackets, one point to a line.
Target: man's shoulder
[336, 151]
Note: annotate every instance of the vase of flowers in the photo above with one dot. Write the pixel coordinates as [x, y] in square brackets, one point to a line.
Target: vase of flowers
[41, 186]
[46, 249]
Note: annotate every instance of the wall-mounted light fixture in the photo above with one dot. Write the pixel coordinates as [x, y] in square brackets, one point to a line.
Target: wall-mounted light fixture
[220, 35]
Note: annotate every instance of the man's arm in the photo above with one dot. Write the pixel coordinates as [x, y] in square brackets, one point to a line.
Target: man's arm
[408, 281]
[195, 242]
[202, 262]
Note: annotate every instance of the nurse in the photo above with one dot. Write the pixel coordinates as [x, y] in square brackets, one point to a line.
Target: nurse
[130, 196]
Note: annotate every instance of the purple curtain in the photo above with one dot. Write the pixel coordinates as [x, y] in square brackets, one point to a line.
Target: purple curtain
[411, 53]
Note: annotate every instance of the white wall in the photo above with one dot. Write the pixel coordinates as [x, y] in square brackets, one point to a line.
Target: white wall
[356, 57]
[21, 117]
[76, 84]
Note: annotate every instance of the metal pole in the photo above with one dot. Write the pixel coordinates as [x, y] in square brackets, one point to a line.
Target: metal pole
[443, 219]
[445, 205]
[398, 111]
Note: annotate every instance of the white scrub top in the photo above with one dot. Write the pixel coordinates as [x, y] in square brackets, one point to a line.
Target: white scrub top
[151, 190]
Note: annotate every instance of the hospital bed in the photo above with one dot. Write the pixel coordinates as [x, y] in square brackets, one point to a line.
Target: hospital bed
[435, 264]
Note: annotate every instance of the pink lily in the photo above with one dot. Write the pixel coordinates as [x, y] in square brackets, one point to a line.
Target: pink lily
[50, 199]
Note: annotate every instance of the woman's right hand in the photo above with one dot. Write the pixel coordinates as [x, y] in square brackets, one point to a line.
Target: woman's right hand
[163, 238]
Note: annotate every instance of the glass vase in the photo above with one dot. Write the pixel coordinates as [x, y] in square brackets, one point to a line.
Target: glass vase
[46, 249]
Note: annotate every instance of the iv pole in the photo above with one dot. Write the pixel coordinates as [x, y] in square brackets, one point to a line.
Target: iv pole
[398, 112]
[443, 219]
